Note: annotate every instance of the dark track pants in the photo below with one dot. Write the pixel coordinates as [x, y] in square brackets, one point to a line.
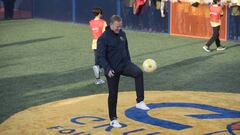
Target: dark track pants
[9, 9]
[215, 37]
[130, 70]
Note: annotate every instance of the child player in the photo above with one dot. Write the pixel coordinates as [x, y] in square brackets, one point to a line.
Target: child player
[215, 20]
[97, 26]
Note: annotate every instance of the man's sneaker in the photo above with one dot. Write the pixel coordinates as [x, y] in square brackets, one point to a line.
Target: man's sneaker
[99, 81]
[206, 48]
[142, 105]
[221, 48]
[115, 124]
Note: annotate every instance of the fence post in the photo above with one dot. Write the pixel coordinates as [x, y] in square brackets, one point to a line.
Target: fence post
[74, 10]
[228, 22]
[169, 16]
[118, 6]
[33, 8]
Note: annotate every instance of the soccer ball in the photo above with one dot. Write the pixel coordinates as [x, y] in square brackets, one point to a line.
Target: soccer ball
[149, 65]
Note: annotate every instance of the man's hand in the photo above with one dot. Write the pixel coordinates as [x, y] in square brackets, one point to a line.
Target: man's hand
[111, 73]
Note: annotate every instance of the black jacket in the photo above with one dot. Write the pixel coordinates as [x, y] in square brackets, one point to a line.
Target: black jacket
[112, 50]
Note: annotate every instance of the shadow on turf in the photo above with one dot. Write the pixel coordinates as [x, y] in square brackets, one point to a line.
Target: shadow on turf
[187, 62]
[162, 50]
[33, 83]
[29, 41]
[232, 46]
[7, 65]
[18, 93]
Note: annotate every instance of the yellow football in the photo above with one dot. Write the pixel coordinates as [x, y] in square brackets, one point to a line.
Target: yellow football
[149, 65]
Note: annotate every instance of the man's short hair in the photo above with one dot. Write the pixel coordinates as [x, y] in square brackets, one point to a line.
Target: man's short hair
[115, 18]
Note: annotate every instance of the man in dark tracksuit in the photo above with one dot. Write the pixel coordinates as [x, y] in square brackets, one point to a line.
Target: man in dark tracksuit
[113, 56]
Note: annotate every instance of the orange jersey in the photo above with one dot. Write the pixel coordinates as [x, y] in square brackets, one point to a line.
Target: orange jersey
[215, 13]
[137, 4]
[97, 27]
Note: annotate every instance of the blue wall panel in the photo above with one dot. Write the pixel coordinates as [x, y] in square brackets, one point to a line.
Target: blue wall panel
[84, 8]
[53, 9]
